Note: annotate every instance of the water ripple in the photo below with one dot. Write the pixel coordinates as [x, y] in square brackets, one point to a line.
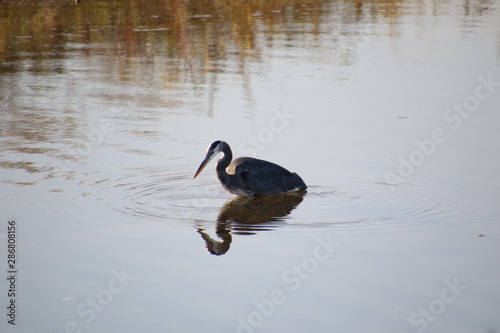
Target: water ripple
[174, 198]
[365, 201]
[155, 193]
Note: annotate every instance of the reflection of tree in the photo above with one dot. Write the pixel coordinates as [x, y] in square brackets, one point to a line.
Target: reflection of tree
[246, 216]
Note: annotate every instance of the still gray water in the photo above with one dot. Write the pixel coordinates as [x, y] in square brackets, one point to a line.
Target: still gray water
[388, 110]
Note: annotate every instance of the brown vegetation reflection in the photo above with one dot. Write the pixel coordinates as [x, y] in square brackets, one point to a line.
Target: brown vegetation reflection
[246, 216]
[199, 33]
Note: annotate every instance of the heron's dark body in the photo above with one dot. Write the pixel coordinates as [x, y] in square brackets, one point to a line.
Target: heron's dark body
[247, 176]
[250, 177]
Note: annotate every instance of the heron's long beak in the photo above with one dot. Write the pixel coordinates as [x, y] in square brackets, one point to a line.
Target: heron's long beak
[203, 164]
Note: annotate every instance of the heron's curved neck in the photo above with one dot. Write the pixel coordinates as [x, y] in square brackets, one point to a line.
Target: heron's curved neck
[225, 160]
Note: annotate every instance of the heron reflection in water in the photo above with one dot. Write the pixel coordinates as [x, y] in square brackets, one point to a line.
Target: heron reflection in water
[250, 177]
[246, 216]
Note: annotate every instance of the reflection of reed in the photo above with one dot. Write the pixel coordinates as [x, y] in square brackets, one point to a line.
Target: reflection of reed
[201, 31]
[245, 216]
[199, 34]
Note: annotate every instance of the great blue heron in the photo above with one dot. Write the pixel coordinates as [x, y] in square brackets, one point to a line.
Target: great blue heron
[250, 177]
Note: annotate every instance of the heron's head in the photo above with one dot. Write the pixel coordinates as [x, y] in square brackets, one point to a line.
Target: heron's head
[212, 150]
